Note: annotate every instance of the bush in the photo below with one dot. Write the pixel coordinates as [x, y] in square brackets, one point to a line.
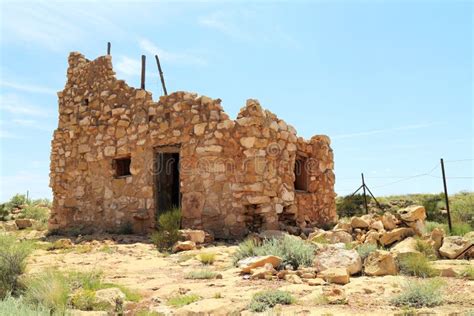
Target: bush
[168, 229]
[462, 208]
[292, 250]
[264, 300]
[430, 226]
[460, 229]
[416, 265]
[365, 250]
[12, 263]
[349, 206]
[85, 300]
[207, 258]
[182, 300]
[17, 306]
[201, 275]
[425, 248]
[50, 289]
[420, 293]
[18, 200]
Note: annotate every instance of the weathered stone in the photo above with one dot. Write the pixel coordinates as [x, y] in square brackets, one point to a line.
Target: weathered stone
[112, 297]
[194, 235]
[377, 225]
[335, 275]
[396, 234]
[315, 282]
[359, 222]
[380, 262]
[250, 263]
[338, 257]
[389, 221]
[412, 213]
[247, 142]
[332, 236]
[453, 246]
[404, 248]
[184, 246]
[23, 223]
[293, 278]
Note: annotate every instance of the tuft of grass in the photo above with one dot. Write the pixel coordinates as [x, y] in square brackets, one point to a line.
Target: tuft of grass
[320, 240]
[13, 256]
[468, 273]
[50, 289]
[420, 293]
[262, 301]
[207, 258]
[17, 306]
[292, 250]
[425, 248]
[200, 275]
[167, 233]
[35, 212]
[182, 300]
[217, 295]
[365, 250]
[460, 229]
[85, 300]
[107, 249]
[416, 265]
[321, 299]
[430, 226]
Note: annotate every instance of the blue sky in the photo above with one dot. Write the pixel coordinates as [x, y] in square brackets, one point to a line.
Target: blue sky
[391, 82]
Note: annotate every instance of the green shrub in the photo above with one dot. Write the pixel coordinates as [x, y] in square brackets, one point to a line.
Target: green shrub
[425, 248]
[462, 208]
[4, 212]
[207, 258]
[416, 265]
[17, 306]
[468, 273]
[182, 300]
[420, 293]
[433, 204]
[167, 233]
[264, 300]
[365, 250]
[85, 300]
[430, 226]
[349, 206]
[18, 200]
[460, 229]
[201, 274]
[12, 263]
[292, 250]
[49, 289]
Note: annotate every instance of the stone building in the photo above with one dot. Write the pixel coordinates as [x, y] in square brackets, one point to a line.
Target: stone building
[120, 158]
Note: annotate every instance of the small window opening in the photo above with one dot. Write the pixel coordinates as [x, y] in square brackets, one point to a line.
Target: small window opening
[85, 102]
[301, 174]
[122, 167]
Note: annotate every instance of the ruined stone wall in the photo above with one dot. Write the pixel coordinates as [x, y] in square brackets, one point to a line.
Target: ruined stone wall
[235, 175]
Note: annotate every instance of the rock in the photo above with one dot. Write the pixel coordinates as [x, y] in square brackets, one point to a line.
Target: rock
[23, 223]
[338, 257]
[405, 248]
[267, 271]
[335, 275]
[315, 281]
[396, 234]
[412, 213]
[208, 306]
[293, 278]
[9, 226]
[335, 296]
[359, 222]
[372, 237]
[112, 297]
[389, 221]
[184, 246]
[437, 236]
[453, 246]
[247, 264]
[451, 268]
[418, 226]
[338, 236]
[63, 243]
[377, 225]
[195, 235]
[343, 226]
[380, 262]
[468, 236]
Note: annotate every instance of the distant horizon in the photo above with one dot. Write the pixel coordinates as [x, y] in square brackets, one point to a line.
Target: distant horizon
[389, 82]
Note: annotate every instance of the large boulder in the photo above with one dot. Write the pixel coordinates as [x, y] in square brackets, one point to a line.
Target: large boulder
[335, 275]
[372, 237]
[453, 246]
[332, 236]
[335, 256]
[405, 248]
[389, 221]
[195, 235]
[347, 227]
[380, 262]
[377, 225]
[394, 235]
[360, 222]
[112, 297]
[412, 213]
[436, 238]
[247, 264]
[418, 226]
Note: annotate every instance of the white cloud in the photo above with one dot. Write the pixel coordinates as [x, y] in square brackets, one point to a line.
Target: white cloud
[127, 66]
[170, 57]
[14, 104]
[385, 130]
[27, 87]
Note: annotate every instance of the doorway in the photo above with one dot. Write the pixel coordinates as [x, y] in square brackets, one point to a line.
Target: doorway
[167, 190]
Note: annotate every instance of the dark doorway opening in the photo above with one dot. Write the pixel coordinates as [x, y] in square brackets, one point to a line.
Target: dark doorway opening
[167, 190]
[301, 174]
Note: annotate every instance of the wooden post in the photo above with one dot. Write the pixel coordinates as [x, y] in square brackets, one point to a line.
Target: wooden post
[108, 48]
[161, 75]
[142, 86]
[446, 195]
[365, 195]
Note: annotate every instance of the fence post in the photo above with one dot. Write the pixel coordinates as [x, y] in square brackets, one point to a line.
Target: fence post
[365, 195]
[108, 48]
[162, 78]
[142, 86]
[446, 195]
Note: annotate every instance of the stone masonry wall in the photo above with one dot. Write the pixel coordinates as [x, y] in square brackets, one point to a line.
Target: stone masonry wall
[236, 176]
